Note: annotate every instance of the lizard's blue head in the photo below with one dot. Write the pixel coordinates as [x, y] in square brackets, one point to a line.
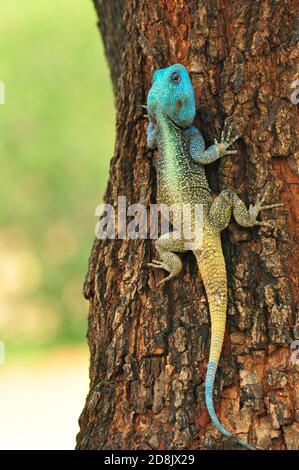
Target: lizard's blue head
[172, 95]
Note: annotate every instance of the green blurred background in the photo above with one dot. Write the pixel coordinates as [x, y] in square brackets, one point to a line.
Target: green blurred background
[56, 140]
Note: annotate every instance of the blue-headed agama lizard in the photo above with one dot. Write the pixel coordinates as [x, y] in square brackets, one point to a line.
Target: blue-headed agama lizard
[181, 180]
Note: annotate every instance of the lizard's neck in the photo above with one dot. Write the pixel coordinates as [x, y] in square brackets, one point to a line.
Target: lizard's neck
[173, 149]
[171, 138]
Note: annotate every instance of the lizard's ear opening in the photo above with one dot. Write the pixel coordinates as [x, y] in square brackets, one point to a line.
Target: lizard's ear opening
[178, 105]
[184, 110]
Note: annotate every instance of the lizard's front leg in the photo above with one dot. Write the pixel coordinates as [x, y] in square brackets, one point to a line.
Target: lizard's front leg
[212, 153]
[151, 136]
[167, 245]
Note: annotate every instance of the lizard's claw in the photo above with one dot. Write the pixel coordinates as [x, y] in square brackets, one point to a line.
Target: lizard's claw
[144, 107]
[257, 207]
[229, 132]
[260, 200]
[226, 141]
[160, 265]
[264, 224]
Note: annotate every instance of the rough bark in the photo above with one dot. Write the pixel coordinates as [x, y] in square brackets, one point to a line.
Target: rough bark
[149, 347]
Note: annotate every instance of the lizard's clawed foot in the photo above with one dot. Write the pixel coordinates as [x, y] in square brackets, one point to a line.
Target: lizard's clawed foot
[144, 107]
[160, 265]
[155, 263]
[226, 141]
[257, 207]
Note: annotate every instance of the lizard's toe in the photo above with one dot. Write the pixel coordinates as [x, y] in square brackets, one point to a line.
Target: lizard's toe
[163, 281]
[158, 264]
[271, 206]
[264, 224]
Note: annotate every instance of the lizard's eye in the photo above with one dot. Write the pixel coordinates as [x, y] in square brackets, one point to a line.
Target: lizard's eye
[175, 77]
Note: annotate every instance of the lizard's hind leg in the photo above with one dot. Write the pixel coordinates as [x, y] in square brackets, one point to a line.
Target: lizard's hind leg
[166, 245]
[221, 210]
[228, 202]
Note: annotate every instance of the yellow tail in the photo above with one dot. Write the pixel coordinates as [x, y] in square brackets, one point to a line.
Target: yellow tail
[212, 268]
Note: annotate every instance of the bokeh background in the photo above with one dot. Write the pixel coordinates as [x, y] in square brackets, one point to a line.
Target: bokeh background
[56, 140]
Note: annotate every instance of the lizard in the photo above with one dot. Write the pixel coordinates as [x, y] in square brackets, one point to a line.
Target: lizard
[181, 180]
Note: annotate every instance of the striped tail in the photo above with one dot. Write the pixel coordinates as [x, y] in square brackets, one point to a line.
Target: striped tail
[213, 272]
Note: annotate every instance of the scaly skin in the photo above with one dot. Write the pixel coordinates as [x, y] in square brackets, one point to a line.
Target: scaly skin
[181, 180]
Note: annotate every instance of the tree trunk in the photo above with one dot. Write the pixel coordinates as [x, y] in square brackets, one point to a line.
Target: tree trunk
[149, 346]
